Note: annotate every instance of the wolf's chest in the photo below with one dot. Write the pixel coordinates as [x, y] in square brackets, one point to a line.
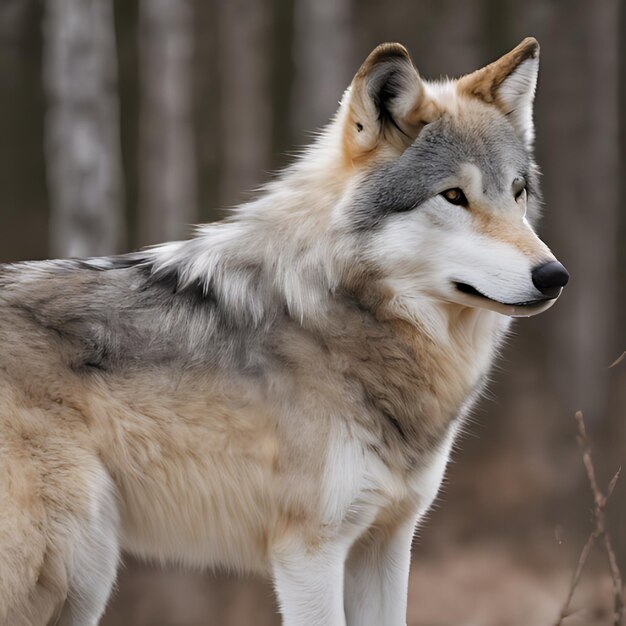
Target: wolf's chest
[363, 490]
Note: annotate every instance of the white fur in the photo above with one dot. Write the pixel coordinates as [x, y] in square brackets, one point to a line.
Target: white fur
[377, 571]
[92, 556]
[310, 583]
[423, 254]
[517, 94]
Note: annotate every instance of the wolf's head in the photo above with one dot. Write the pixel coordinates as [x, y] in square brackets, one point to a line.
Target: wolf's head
[416, 194]
[448, 191]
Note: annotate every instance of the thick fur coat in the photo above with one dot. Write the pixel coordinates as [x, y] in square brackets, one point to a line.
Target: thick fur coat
[281, 392]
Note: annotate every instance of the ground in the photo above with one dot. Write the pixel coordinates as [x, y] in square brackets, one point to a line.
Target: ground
[484, 584]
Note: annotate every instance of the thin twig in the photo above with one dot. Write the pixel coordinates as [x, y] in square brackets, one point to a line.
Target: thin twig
[579, 570]
[616, 576]
[618, 360]
[609, 489]
[585, 448]
[600, 501]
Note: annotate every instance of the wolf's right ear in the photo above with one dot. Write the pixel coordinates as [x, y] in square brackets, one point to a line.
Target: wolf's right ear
[384, 102]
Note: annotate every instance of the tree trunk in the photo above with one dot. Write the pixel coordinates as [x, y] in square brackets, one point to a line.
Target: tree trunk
[82, 128]
[324, 64]
[245, 96]
[167, 169]
[580, 144]
[206, 108]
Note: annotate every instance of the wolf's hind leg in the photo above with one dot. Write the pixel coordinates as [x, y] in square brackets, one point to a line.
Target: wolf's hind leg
[33, 576]
[58, 537]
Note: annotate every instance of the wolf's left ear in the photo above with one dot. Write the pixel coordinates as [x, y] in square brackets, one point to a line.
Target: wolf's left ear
[383, 103]
[510, 84]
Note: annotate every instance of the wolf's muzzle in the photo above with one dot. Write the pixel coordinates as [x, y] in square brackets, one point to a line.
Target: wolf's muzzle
[550, 278]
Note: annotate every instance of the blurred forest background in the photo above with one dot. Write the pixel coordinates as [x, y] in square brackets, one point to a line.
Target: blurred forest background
[124, 121]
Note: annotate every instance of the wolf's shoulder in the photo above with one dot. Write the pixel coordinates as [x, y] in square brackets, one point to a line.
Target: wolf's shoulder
[115, 311]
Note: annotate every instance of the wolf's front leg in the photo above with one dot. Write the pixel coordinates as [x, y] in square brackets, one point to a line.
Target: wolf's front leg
[309, 585]
[377, 575]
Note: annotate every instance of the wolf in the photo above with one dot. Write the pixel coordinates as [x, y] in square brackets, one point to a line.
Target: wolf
[279, 393]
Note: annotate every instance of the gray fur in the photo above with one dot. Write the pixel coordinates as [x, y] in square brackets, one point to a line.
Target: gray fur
[115, 315]
[442, 147]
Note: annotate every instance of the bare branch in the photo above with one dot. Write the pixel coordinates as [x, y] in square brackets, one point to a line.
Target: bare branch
[600, 501]
[618, 597]
[618, 360]
[583, 444]
[609, 489]
[576, 577]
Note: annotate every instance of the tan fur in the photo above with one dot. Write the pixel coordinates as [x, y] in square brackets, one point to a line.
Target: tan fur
[484, 83]
[177, 449]
[364, 139]
[500, 228]
[46, 463]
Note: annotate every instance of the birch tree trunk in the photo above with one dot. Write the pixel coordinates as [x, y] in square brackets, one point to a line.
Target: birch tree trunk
[245, 95]
[167, 168]
[324, 64]
[82, 133]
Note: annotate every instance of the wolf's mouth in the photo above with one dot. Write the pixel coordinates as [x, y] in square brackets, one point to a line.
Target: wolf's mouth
[472, 291]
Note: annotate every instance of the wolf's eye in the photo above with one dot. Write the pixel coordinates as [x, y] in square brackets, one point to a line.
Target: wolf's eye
[455, 196]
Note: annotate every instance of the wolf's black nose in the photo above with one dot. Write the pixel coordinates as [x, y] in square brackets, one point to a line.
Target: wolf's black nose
[549, 278]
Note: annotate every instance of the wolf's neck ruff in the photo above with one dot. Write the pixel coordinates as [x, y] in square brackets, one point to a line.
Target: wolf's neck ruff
[256, 269]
